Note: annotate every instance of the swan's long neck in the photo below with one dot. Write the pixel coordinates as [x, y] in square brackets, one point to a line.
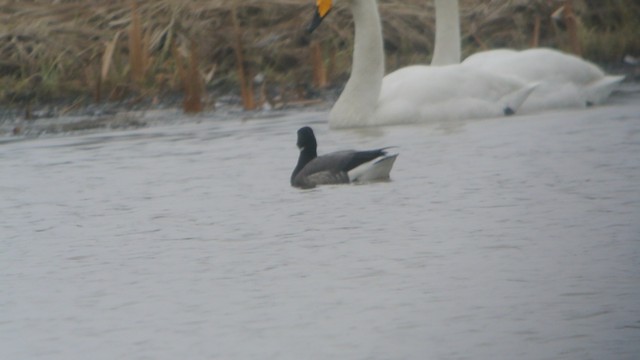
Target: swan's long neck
[359, 99]
[447, 48]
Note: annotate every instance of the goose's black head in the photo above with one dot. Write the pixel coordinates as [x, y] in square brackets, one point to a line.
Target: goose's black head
[307, 140]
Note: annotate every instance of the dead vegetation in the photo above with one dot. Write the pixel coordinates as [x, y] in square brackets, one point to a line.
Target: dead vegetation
[116, 50]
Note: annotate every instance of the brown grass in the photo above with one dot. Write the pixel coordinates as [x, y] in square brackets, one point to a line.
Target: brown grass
[118, 49]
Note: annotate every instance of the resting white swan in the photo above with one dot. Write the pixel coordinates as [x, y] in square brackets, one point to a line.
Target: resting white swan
[414, 94]
[563, 80]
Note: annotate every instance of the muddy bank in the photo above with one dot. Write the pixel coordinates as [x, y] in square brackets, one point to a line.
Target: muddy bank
[65, 118]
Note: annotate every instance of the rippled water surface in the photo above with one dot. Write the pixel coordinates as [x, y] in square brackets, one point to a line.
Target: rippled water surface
[512, 238]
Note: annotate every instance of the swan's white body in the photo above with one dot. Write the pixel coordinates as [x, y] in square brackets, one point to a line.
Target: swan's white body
[415, 94]
[422, 93]
[564, 80]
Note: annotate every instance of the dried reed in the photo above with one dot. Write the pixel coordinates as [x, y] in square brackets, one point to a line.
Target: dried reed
[193, 85]
[246, 88]
[138, 48]
[572, 27]
[107, 60]
[319, 68]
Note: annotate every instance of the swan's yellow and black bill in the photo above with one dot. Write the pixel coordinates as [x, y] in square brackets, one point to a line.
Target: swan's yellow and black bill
[323, 7]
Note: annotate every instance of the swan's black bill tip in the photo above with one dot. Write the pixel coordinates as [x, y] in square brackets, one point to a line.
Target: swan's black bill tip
[508, 111]
[315, 22]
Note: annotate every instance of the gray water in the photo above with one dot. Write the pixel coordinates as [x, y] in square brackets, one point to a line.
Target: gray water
[510, 238]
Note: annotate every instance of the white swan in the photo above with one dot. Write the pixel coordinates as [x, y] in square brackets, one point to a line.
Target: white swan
[414, 94]
[563, 80]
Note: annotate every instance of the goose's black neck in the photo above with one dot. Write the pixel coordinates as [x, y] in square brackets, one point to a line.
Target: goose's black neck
[307, 145]
[306, 155]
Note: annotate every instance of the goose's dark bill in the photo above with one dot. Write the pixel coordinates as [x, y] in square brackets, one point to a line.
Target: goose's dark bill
[340, 167]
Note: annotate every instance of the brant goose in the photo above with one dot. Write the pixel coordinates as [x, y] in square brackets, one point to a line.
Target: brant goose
[341, 167]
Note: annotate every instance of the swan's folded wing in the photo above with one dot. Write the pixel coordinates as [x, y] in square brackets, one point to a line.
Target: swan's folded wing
[598, 91]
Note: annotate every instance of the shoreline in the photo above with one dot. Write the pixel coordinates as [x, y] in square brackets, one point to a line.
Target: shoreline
[107, 117]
